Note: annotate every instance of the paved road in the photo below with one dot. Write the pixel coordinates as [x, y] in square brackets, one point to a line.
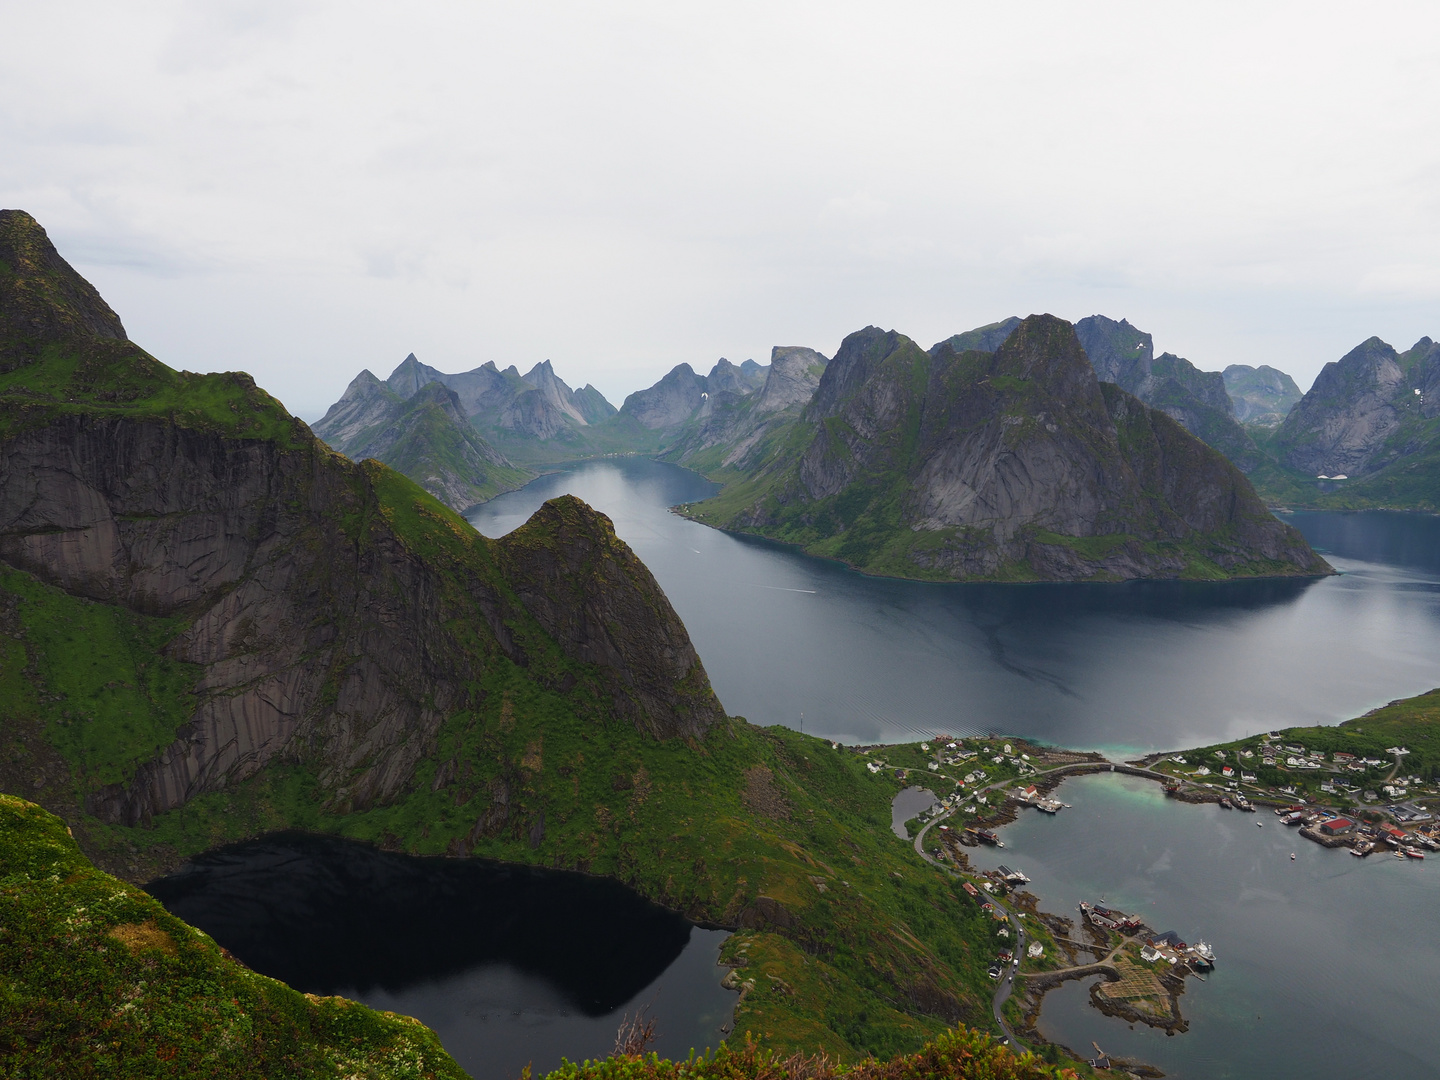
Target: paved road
[1002, 992]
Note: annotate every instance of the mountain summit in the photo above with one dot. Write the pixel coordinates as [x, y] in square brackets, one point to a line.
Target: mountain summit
[1017, 464]
[291, 612]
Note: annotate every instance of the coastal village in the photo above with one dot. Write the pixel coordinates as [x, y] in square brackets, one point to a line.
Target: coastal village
[982, 784]
[1368, 799]
[1365, 802]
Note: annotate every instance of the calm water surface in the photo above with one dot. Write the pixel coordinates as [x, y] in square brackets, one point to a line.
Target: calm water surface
[1121, 668]
[509, 965]
[1326, 965]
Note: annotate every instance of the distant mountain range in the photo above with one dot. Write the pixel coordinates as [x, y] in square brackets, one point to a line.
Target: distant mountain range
[426, 436]
[1362, 417]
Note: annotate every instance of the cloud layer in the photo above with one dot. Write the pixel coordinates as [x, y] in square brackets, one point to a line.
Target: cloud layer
[302, 189]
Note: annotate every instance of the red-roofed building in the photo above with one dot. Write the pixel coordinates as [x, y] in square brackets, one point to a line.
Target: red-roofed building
[1337, 826]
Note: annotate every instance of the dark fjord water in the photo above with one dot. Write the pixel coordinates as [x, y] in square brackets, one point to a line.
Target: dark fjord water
[512, 966]
[1121, 668]
[1326, 965]
[509, 965]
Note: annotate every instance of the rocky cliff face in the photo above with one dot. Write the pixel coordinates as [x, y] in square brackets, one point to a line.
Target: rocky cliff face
[1356, 417]
[1260, 395]
[337, 615]
[1017, 463]
[1195, 399]
[670, 402]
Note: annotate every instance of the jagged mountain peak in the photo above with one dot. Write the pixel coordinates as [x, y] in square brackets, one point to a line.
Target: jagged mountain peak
[1119, 352]
[670, 402]
[43, 300]
[1016, 463]
[410, 375]
[590, 592]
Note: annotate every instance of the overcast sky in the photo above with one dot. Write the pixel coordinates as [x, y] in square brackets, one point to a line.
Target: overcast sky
[304, 189]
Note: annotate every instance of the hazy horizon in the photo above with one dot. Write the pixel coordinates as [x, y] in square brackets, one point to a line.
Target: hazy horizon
[303, 190]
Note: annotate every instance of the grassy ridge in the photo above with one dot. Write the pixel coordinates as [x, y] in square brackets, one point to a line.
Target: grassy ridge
[98, 980]
[117, 379]
[707, 828]
[961, 1055]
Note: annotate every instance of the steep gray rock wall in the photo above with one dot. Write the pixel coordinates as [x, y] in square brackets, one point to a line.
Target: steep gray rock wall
[670, 402]
[1347, 415]
[366, 404]
[245, 540]
[793, 378]
[318, 643]
[557, 396]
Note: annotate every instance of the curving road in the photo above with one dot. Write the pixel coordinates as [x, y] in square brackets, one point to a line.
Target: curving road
[1007, 979]
[1007, 984]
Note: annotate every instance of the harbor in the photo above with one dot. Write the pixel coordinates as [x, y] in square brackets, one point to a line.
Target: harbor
[1126, 848]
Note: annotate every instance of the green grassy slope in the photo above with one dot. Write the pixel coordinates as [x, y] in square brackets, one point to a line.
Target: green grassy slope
[98, 980]
[957, 1055]
[434, 449]
[765, 830]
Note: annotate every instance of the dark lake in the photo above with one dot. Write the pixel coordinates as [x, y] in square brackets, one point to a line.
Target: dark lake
[509, 965]
[1326, 969]
[1326, 965]
[1120, 668]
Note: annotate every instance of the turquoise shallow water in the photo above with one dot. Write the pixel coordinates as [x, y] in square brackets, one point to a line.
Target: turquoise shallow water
[1327, 965]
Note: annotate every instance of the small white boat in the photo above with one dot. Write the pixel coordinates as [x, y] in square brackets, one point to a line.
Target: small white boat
[1292, 856]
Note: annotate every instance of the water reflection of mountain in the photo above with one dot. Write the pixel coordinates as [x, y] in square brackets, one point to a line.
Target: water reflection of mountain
[325, 914]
